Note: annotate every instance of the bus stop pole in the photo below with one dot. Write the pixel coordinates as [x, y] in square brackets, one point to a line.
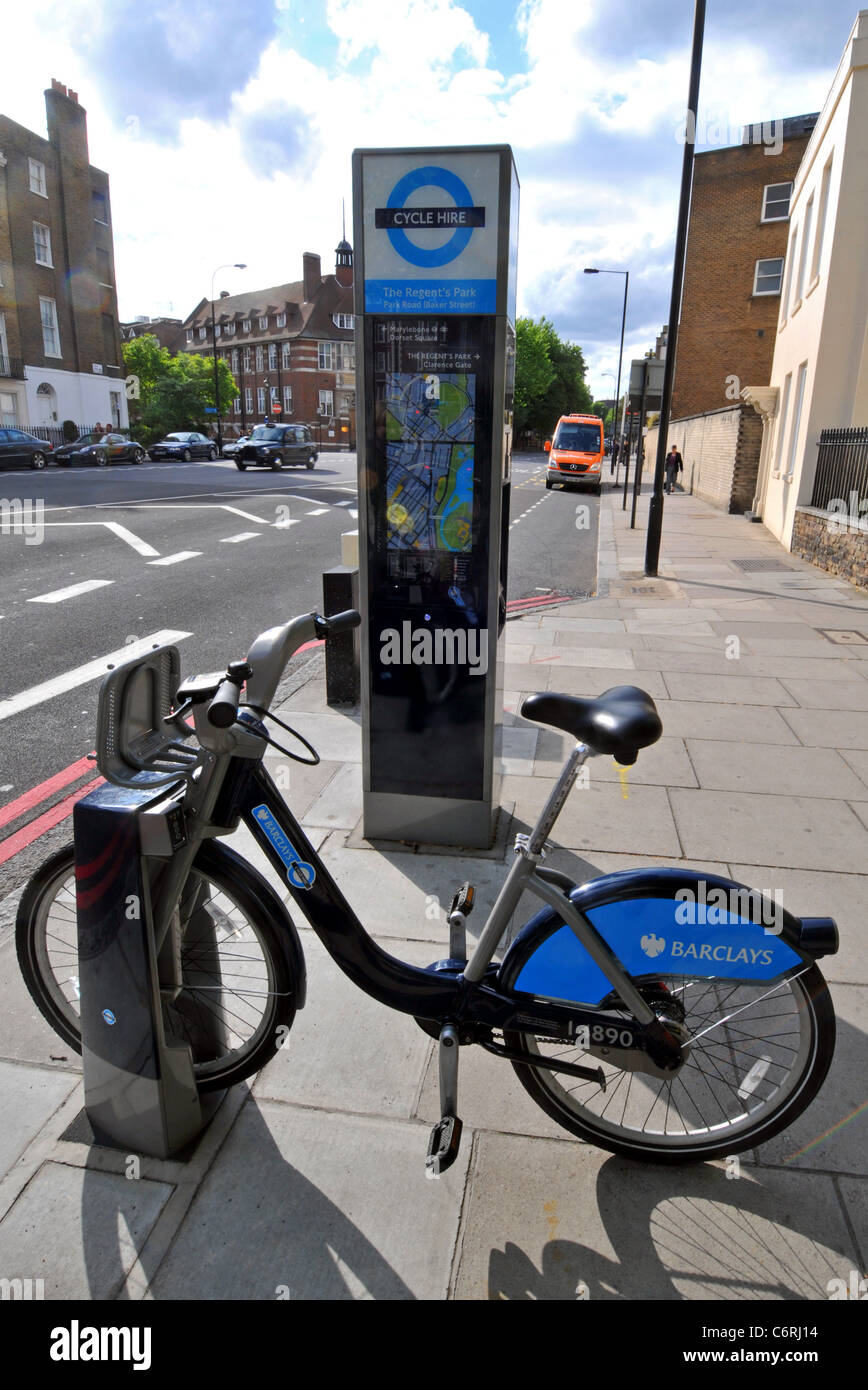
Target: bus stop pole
[655, 514]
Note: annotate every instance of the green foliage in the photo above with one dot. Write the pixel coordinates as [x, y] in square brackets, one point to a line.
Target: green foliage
[549, 378]
[167, 393]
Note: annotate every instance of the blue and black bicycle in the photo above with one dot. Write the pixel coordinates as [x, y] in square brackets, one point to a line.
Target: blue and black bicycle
[659, 1013]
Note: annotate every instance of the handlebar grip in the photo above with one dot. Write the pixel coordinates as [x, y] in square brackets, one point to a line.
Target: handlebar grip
[223, 709]
[341, 622]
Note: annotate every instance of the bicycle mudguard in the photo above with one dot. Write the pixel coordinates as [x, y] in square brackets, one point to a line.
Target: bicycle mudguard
[664, 922]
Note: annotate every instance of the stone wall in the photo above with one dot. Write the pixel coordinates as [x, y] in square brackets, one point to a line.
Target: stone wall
[833, 544]
[721, 452]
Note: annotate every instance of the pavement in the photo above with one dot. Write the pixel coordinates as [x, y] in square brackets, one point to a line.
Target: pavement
[309, 1182]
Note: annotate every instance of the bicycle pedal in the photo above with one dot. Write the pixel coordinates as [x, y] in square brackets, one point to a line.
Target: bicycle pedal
[443, 1146]
[463, 900]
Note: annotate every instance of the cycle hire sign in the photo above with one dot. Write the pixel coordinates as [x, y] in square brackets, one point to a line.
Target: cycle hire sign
[431, 232]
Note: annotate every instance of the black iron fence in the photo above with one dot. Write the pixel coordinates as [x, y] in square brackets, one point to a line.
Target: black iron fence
[54, 435]
[12, 366]
[842, 467]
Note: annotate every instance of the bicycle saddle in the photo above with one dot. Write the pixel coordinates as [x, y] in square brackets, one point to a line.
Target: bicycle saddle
[620, 721]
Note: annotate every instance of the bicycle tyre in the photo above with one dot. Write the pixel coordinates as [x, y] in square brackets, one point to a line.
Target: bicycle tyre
[559, 1098]
[237, 882]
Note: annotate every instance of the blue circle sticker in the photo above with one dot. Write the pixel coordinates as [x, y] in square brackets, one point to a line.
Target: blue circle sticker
[430, 176]
[109, 1016]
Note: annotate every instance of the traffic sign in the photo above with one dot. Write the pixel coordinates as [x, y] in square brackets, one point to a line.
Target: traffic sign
[276, 407]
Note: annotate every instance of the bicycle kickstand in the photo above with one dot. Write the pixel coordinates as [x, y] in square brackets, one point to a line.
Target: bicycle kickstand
[446, 1135]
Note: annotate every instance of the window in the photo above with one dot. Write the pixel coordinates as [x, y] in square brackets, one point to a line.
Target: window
[336, 357]
[343, 320]
[109, 341]
[287, 400]
[785, 406]
[806, 241]
[263, 322]
[230, 329]
[272, 357]
[284, 355]
[767, 276]
[4, 346]
[115, 406]
[245, 327]
[326, 403]
[217, 330]
[776, 202]
[791, 258]
[245, 359]
[203, 332]
[280, 321]
[99, 204]
[50, 334]
[190, 335]
[821, 221]
[248, 399]
[236, 406]
[37, 178]
[42, 244]
[275, 396]
[234, 359]
[260, 359]
[103, 266]
[260, 399]
[797, 419]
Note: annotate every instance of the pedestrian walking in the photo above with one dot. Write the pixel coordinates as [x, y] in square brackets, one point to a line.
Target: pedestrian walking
[674, 466]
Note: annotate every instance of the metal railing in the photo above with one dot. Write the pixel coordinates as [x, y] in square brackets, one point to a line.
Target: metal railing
[53, 434]
[12, 366]
[842, 466]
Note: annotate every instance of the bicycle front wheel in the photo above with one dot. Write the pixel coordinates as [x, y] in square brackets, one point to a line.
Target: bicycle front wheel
[238, 990]
[756, 1059]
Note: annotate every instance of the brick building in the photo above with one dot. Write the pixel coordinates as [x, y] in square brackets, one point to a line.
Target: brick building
[290, 349]
[60, 348]
[736, 244]
[168, 332]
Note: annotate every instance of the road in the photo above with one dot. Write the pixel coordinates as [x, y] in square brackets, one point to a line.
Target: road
[196, 553]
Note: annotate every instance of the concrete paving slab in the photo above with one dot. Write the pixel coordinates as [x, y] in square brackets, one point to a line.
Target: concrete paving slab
[752, 767]
[336, 737]
[599, 817]
[490, 1097]
[816, 893]
[794, 832]
[80, 1230]
[346, 1051]
[858, 760]
[613, 658]
[518, 750]
[829, 729]
[617, 640]
[300, 785]
[661, 626]
[24, 1034]
[330, 1207]
[339, 804]
[707, 719]
[829, 694]
[832, 1134]
[732, 689]
[31, 1095]
[664, 764]
[550, 1220]
[854, 1198]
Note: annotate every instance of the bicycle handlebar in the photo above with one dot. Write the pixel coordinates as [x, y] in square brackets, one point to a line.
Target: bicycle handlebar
[223, 709]
[338, 623]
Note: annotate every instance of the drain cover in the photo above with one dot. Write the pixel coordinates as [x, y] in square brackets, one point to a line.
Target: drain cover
[751, 563]
[844, 637]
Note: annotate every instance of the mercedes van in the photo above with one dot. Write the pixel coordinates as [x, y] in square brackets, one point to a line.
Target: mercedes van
[576, 452]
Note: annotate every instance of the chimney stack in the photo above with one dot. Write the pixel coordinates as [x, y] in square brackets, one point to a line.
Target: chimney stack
[311, 275]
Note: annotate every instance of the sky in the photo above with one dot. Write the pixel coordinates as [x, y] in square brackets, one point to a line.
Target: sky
[226, 129]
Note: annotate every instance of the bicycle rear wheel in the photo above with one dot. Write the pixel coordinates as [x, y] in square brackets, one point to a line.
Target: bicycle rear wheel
[239, 984]
[757, 1058]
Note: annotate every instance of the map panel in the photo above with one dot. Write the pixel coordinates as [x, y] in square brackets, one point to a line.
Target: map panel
[430, 425]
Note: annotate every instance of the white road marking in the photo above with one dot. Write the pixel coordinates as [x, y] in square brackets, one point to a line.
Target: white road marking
[176, 558]
[59, 595]
[247, 515]
[140, 546]
[346, 503]
[354, 514]
[242, 536]
[320, 511]
[81, 675]
[285, 523]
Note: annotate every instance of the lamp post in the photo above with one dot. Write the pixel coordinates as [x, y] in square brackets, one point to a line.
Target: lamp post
[599, 270]
[614, 417]
[233, 265]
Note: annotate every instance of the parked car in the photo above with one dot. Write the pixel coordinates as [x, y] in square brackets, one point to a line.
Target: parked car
[19, 448]
[231, 446]
[101, 449]
[185, 445]
[272, 446]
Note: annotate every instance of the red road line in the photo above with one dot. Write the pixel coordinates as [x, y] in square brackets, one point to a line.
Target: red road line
[318, 643]
[22, 838]
[13, 809]
[520, 604]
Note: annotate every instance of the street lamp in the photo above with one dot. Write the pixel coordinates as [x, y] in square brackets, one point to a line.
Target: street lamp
[233, 265]
[595, 270]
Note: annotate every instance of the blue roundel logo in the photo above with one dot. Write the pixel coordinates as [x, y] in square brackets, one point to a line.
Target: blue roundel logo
[109, 1016]
[430, 176]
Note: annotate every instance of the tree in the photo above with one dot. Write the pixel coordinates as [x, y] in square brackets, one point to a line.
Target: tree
[568, 393]
[146, 363]
[170, 393]
[549, 378]
[534, 372]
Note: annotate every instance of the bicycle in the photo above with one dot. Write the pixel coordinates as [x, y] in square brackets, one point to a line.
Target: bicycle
[635, 1028]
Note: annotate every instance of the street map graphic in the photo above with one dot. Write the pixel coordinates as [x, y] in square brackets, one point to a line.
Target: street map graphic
[429, 460]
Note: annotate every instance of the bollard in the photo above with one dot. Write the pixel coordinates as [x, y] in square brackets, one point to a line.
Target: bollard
[340, 591]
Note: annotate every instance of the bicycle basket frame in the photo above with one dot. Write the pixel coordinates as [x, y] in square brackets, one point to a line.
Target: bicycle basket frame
[132, 732]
